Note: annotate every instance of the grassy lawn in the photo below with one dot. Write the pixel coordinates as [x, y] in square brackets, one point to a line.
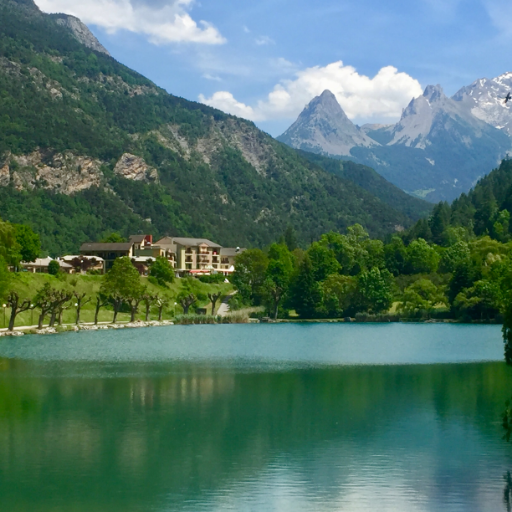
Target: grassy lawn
[27, 285]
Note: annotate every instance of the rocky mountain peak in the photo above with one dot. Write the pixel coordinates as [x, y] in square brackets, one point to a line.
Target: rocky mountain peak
[80, 31]
[433, 93]
[323, 127]
[484, 99]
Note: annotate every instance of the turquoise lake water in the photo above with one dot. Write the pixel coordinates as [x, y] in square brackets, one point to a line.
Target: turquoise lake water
[286, 417]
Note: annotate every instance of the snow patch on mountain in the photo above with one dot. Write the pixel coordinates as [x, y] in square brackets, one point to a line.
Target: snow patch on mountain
[484, 98]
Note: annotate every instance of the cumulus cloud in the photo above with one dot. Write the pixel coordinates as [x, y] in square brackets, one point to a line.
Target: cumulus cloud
[361, 97]
[226, 102]
[161, 21]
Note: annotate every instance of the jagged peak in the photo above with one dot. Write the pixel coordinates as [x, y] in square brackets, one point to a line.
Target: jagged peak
[433, 92]
[327, 103]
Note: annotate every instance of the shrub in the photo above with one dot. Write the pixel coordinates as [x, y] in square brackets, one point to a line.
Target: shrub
[212, 279]
[53, 268]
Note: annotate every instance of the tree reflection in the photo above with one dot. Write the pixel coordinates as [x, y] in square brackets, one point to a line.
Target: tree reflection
[507, 491]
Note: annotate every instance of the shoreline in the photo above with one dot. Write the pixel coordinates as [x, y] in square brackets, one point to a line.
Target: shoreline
[61, 329]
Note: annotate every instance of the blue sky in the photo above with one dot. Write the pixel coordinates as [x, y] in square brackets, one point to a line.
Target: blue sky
[265, 60]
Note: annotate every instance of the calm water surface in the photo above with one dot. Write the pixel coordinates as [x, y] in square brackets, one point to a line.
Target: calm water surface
[316, 418]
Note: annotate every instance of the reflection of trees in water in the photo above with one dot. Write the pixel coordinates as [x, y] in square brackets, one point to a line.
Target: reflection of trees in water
[196, 428]
[507, 492]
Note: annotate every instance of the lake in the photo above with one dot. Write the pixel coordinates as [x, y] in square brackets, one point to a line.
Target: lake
[246, 418]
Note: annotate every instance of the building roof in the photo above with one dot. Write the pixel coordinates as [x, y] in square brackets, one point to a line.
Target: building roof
[144, 259]
[166, 243]
[39, 262]
[74, 257]
[231, 251]
[194, 242]
[106, 247]
[137, 239]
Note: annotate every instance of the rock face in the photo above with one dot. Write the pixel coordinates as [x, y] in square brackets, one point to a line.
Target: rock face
[135, 168]
[323, 127]
[426, 118]
[484, 98]
[62, 173]
[80, 31]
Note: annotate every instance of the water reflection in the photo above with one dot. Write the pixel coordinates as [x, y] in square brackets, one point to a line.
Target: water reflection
[507, 492]
[189, 437]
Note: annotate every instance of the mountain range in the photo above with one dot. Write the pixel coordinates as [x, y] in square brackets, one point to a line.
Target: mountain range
[439, 148]
[89, 146]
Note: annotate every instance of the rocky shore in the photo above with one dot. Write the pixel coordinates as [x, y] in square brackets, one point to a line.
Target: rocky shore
[21, 331]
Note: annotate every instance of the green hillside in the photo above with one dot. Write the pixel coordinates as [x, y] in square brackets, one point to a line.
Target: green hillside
[484, 211]
[372, 182]
[69, 114]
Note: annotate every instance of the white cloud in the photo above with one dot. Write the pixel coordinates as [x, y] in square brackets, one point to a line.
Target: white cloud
[214, 78]
[226, 102]
[361, 97]
[264, 40]
[163, 22]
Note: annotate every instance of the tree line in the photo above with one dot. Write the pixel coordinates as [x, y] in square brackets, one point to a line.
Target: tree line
[121, 289]
[345, 275]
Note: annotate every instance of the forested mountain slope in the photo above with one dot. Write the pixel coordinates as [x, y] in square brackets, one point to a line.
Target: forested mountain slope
[372, 182]
[485, 210]
[89, 146]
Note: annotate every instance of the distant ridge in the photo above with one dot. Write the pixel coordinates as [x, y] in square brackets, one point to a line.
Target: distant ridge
[437, 150]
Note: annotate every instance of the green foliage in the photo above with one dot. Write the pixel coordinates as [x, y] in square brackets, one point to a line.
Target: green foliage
[422, 296]
[213, 278]
[249, 276]
[5, 278]
[339, 296]
[366, 178]
[421, 257]
[322, 260]
[28, 241]
[122, 279]
[305, 290]
[290, 238]
[376, 289]
[53, 268]
[114, 238]
[9, 247]
[162, 271]
[277, 277]
[485, 210]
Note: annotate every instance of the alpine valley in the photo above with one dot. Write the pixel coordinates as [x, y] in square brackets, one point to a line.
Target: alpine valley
[438, 149]
[88, 146]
